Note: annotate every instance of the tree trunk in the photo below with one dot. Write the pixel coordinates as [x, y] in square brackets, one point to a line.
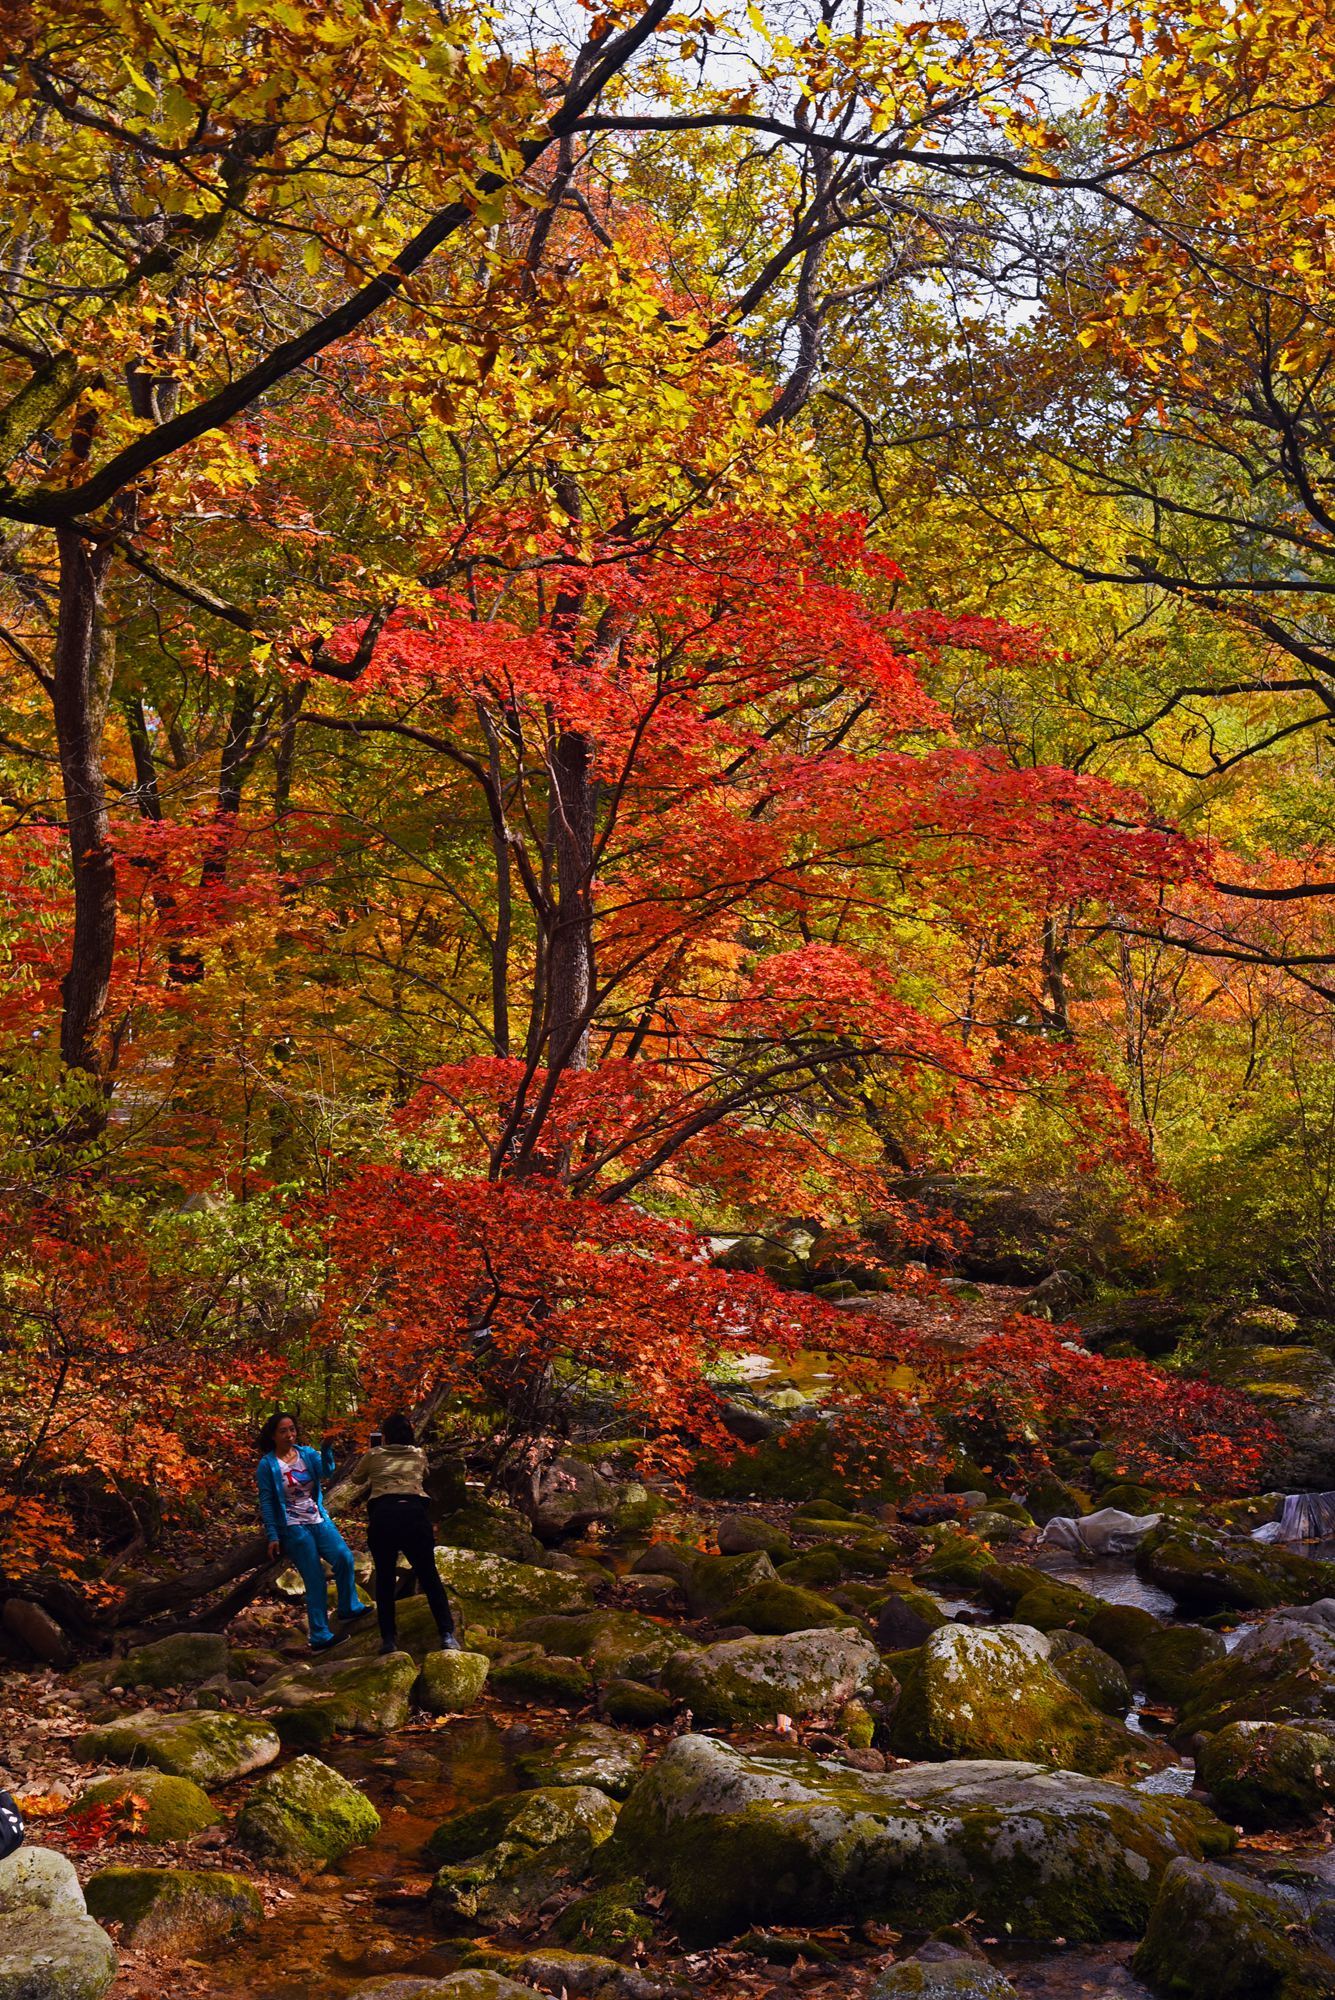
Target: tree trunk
[82, 676]
[571, 971]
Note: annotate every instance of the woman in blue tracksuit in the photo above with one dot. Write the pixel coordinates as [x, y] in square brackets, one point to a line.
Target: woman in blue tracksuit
[290, 1478]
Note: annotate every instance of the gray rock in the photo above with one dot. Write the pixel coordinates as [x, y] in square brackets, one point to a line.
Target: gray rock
[211, 1748]
[37, 1878]
[951, 1976]
[1218, 1936]
[305, 1816]
[743, 1534]
[363, 1697]
[606, 1758]
[741, 1841]
[184, 1660]
[451, 1682]
[54, 1954]
[1110, 1532]
[36, 1629]
[754, 1680]
[505, 1858]
[475, 1985]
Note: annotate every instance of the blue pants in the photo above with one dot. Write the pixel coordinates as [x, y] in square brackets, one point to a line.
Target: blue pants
[310, 1549]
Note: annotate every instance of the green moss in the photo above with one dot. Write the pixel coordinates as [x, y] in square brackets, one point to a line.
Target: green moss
[776, 1607]
[177, 1908]
[959, 1561]
[1172, 1659]
[609, 1922]
[608, 1642]
[542, 1677]
[815, 1569]
[177, 1807]
[500, 1861]
[1051, 1607]
[1214, 1936]
[1122, 1630]
[1267, 1774]
[1206, 1573]
[210, 1747]
[306, 1816]
[635, 1704]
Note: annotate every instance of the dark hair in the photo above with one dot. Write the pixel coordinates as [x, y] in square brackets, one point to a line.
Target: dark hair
[399, 1428]
[267, 1434]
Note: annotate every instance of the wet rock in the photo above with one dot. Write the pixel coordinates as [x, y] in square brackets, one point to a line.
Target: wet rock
[35, 1629]
[993, 1693]
[956, 1975]
[211, 1748]
[363, 1697]
[54, 1954]
[595, 1755]
[37, 1878]
[740, 1841]
[532, 1675]
[743, 1534]
[1204, 1573]
[451, 1682]
[305, 1816]
[635, 1704]
[184, 1660]
[177, 1808]
[608, 1642]
[1216, 1936]
[505, 1858]
[1277, 1672]
[1172, 1658]
[174, 1909]
[753, 1680]
[1266, 1774]
[1093, 1674]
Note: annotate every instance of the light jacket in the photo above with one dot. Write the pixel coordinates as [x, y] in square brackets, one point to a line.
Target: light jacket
[390, 1471]
[269, 1479]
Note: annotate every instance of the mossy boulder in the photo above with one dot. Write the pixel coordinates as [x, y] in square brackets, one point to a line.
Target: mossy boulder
[608, 1642]
[1215, 1936]
[580, 1975]
[1171, 1660]
[451, 1682]
[1295, 1387]
[635, 1704]
[777, 1607]
[1093, 1674]
[993, 1693]
[38, 1878]
[56, 1954]
[305, 1816]
[610, 1921]
[1122, 1630]
[1204, 1573]
[361, 1697]
[491, 1530]
[180, 1910]
[743, 1534]
[1268, 1774]
[177, 1808]
[475, 1984]
[957, 1975]
[183, 1660]
[740, 1841]
[743, 1681]
[958, 1562]
[531, 1675]
[1055, 1607]
[595, 1755]
[816, 1568]
[1277, 1672]
[714, 1583]
[491, 1591]
[208, 1746]
[501, 1860]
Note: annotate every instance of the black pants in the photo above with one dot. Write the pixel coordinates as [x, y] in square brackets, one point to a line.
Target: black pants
[399, 1524]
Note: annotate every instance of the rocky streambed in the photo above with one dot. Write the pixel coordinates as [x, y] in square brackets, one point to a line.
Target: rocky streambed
[773, 1749]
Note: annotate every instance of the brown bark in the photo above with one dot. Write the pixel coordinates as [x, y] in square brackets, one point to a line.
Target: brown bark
[82, 673]
[571, 969]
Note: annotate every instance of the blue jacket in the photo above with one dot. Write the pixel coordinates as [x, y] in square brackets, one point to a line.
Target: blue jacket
[268, 1477]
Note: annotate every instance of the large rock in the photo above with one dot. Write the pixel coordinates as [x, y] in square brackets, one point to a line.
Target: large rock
[576, 1974]
[1267, 1774]
[740, 1841]
[500, 1595]
[1295, 1387]
[305, 1816]
[595, 1755]
[743, 1534]
[1204, 1573]
[183, 1660]
[501, 1860]
[472, 1985]
[994, 1693]
[612, 1644]
[37, 1878]
[1094, 1674]
[35, 1629]
[1214, 1936]
[180, 1910]
[778, 1607]
[451, 1681]
[1171, 1659]
[211, 1748]
[1281, 1671]
[176, 1808]
[572, 1496]
[359, 1697]
[713, 1583]
[54, 1955]
[753, 1680]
